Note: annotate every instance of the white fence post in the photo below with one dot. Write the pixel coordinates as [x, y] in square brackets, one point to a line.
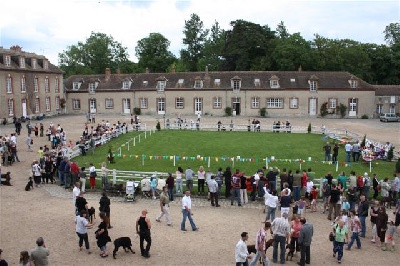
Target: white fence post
[114, 176]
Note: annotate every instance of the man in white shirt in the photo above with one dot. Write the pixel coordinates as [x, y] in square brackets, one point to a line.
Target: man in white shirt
[213, 188]
[348, 148]
[81, 227]
[281, 229]
[187, 212]
[241, 252]
[75, 193]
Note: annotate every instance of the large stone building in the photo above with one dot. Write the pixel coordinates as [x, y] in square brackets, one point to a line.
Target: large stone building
[30, 85]
[282, 93]
[387, 99]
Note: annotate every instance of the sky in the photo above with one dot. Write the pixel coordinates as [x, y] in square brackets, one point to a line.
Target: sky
[49, 27]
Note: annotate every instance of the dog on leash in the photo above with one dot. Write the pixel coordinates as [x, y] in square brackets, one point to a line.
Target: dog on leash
[29, 185]
[290, 252]
[252, 248]
[125, 243]
[92, 214]
[7, 177]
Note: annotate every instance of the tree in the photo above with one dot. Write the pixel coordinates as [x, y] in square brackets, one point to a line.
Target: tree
[281, 31]
[392, 34]
[194, 40]
[213, 49]
[99, 52]
[153, 53]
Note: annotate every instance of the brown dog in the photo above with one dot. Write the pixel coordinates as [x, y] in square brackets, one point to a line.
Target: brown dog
[291, 251]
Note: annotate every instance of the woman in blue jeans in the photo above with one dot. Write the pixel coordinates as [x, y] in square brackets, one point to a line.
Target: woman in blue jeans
[271, 202]
[341, 234]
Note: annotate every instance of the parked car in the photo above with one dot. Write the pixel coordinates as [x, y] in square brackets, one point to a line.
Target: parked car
[389, 118]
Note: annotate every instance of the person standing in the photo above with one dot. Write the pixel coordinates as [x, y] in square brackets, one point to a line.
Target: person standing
[143, 227]
[170, 186]
[241, 252]
[356, 152]
[213, 189]
[271, 177]
[243, 189]
[104, 172]
[261, 245]
[40, 255]
[201, 175]
[348, 149]
[375, 183]
[74, 171]
[102, 235]
[178, 180]
[340, 232]
[82, 178]
[362, 212]
[235, 184]
[297, 185]
[92, 176]
[187, 212]
[305, 238]
[189, 178]
[37, 173]
[327, 149]
[281, 229]
[75, 193]
[355, 227]
[81, 227]
[333, 200]
[381, 225]
[335, 153]
[105, 207]
[227, 177]
[67, 174]
[164, 204]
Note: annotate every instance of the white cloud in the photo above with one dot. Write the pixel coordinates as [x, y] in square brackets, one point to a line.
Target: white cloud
[49, 27]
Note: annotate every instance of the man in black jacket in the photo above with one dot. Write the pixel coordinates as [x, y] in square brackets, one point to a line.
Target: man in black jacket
[363, 207]
[333, 200]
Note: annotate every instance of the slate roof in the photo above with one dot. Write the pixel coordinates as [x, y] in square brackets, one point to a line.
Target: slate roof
[387, 90]
[287, 80]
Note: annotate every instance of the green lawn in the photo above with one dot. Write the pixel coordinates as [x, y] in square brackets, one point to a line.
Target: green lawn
[193, 148]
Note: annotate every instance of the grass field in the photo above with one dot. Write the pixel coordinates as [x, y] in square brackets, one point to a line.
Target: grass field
[239, 150]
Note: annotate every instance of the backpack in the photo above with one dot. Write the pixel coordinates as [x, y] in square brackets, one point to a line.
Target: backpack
[360, 181]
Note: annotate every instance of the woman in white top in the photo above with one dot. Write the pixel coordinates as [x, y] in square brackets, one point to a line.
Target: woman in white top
[104, 172]
[271, 202]
[82, 225]
[92, 176]
[178, 180]
[201, 180]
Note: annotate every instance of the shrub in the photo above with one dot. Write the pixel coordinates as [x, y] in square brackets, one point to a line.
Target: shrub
[364, 116]
[228, 111]
[363, 141]
[263, 112]
[390, 154]
[309, 128]
[136, 111]
[324, 109]
[158, 126]
[341, 109]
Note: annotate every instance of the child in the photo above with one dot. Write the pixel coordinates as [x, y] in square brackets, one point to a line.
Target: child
[301, 205]
[345, 205]
[389, 237]
[314, 196]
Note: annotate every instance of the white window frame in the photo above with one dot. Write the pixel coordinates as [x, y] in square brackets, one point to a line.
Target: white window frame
[255, 103]
[313, 85]
[125, 85]
[294, 103]
[57, 102]
[7, 61]
[257, 82]
[379, 108]
[92, 87]
[143, 103]
[198, 84]
[22, 62]
[198, 105]
[217, 103]
[236, 84]
[274, 84]
[9, 88]
[57, 85]
[76, 104]
[47, 104]
[23, 84]
[37, 105]
[353, 83]
[46, 84]
[179, 103]
[34, 62]
[45, 64]
[161, 84]
[181, 81]
[10, 106]
[332, 103]
[75, 86]
[274, 103]
[353, 104]
[217, 82]
[35, 84]
[392, 109]
[109, 103]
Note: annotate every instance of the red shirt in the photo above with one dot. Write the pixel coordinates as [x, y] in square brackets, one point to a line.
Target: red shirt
[304, 179]
[74, 168]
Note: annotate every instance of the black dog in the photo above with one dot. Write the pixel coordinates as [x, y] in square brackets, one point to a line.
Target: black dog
[124, 242]
[7, 178]
[29, 185]
[92, 214]
[291, 251]
[252, 248]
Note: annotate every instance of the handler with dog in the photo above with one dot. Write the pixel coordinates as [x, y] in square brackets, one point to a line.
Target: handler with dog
[261, 246]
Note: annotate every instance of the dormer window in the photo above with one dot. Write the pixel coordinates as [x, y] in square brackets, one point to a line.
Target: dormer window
[35, 84]
[161, 84]
[257, 83]
[313, 82]
[236, 83]
[7, 60]
[353, 84]
[145, 83]
[180, 81]
[125, 85]
[75, 86]
[34, 63]
[46, 84]
[92, 87]
[45, 64]
[274, 82]
[198, 83]
[217, 82]
[22, 62]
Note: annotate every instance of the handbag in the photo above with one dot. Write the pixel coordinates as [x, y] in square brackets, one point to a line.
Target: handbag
[331, 237]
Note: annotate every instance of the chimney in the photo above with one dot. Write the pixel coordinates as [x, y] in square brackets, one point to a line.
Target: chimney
[173, 70]
[108, 74]
[16, 48]
[118, 71]
[147, 70]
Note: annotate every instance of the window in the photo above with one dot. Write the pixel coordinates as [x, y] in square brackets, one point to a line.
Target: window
[9, 84]
[180, 81]
[145, 83]
[57, 85]
[125, 85]
[76, 104]
[379, 108]
[57, 102]
[217, 82]
[332, 103]
[45, 64]
[47, 104]
[37, 105]
[392, 109]
[313, 85]
[33, 63]
[35, 84]
[10, 104]
[143, 103]
[22, 62]
[353, 84]
[75, 86]
[235, 84]
[46, 84]
[198, 84]
[257, 82]
[23, 84]
[274, 84]
[353, 105]
[217, 103]
[274, 103]
[161, 106]
[91, 87]
[109, 103]
[179, 103]
[198, 105]
[7, 60]
[255, 103]
[161, 85]
[294, 103]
